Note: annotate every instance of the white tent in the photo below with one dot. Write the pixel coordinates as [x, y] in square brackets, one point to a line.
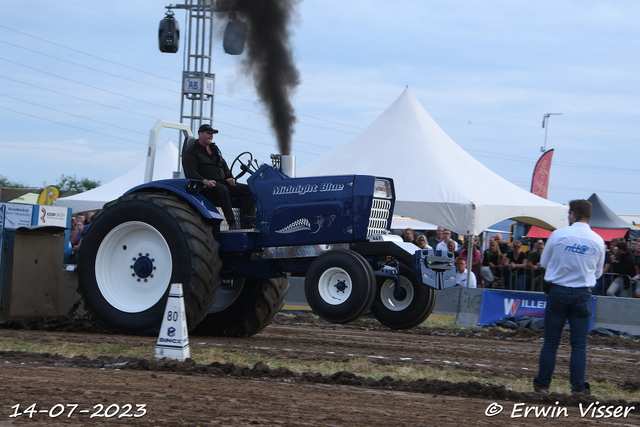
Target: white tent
[403, 222]
[166, 162]
[436, 181]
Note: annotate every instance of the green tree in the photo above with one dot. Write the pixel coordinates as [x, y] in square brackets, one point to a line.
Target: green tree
[4, 182]
[70, 185]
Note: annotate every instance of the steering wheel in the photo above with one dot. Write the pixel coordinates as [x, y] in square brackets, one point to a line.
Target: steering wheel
[244, 166]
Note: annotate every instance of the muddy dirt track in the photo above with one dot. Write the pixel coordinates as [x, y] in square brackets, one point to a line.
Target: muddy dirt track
[129, 391]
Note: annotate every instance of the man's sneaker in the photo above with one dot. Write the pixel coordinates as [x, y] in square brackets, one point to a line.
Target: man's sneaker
[234, 226]
[582, 392]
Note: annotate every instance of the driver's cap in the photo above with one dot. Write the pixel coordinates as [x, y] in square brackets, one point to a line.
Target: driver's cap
[207, 128]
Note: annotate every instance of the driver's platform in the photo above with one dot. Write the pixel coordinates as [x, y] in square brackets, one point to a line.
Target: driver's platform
[224, 225]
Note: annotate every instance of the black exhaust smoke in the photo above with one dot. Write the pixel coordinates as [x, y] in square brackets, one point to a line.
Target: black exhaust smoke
[270, 61]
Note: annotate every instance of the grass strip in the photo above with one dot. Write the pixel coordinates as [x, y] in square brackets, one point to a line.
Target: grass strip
[360, 366]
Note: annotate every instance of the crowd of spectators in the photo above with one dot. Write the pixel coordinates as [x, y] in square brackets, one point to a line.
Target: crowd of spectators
[623, 268]
[79, 224]
[505, 265]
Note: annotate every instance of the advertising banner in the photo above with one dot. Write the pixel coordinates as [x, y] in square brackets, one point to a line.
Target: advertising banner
[17, 215]
[540, 180]
[498, 304]
[48, 195]
[52, 216]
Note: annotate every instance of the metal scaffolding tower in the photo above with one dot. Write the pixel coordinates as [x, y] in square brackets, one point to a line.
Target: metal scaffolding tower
[196, 106]
[198, 81]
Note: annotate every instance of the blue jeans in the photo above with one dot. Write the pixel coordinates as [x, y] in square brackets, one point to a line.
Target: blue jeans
[573, 304]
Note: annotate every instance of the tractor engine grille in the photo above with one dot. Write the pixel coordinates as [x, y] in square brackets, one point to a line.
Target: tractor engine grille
[379, 217]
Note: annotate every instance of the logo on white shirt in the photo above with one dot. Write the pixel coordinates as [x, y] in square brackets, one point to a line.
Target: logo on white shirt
[580, 249]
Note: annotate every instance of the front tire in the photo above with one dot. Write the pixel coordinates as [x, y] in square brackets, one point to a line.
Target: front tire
[244, 307]
[404, 307]
[134, 249]
[340, 286]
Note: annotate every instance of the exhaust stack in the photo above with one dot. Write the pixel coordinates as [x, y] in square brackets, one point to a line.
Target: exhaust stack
[285, 163]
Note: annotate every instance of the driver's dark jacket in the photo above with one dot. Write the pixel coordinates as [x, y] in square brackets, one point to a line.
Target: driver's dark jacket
[198, 164]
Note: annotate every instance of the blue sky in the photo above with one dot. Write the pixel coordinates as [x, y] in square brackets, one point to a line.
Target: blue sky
[81, 84]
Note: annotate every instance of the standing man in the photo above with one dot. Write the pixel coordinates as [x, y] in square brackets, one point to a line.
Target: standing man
[462, 274]
[204, 162]
[434, 240]
[533, 263]
[502, 244]
[444, 244]
[408, 236]
[573, 259]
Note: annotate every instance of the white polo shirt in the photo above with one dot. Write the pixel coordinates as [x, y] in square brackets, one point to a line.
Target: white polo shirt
[442, 246]
[461, 279]
[573, 256]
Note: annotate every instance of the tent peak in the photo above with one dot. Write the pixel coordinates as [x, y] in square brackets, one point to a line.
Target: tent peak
[406, 144]
[602, 216]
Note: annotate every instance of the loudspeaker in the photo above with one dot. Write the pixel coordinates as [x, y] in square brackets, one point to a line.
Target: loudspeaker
[169, 34]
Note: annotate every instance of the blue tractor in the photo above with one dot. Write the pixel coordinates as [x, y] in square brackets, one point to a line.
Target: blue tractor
[332, 230]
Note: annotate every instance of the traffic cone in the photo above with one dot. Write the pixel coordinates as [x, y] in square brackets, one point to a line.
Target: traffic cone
[173, 340]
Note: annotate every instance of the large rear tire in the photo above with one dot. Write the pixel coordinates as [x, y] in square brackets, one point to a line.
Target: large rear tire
[244, 307]
[404, 307]
[134, 249]
[340, 286]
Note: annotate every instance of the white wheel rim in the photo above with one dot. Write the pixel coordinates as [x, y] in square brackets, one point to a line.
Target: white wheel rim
[390, 301]
[133, 267]
[335, 286]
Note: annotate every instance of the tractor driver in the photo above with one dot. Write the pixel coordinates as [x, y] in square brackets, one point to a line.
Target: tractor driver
[203, 161]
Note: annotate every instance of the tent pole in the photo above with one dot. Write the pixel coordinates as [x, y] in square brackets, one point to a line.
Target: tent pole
[469, 258]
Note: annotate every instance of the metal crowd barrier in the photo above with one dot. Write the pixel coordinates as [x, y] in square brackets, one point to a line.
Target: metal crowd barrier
[605, 281]
[520, 279]
[526, 279]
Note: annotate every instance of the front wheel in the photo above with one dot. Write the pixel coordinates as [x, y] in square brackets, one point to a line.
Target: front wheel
[404, 305]
[134, 249]
[340, 286]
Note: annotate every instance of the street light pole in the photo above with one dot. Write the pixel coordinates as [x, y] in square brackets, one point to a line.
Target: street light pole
[545, 125]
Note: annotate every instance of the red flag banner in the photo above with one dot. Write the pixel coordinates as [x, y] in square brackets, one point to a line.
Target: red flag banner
[540, 180]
